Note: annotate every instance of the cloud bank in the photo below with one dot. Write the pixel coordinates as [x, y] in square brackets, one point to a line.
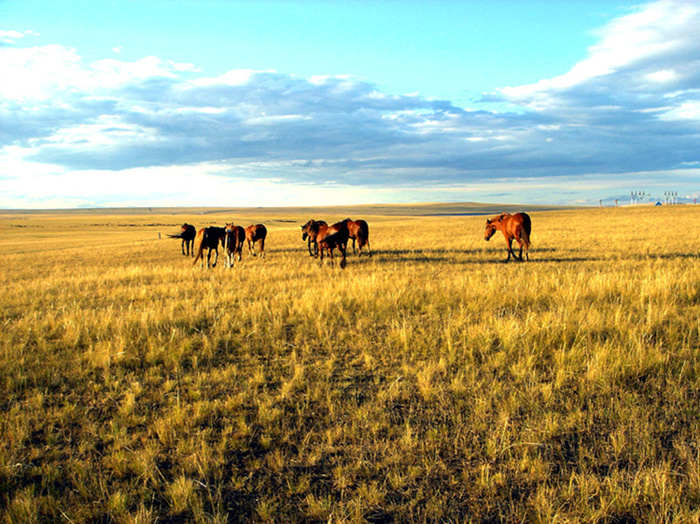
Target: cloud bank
[154, 132]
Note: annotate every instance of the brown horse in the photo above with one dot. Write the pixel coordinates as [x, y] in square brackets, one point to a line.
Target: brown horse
[310, 231]
[256, 233]
[359, 230]
[517, 226]
[335, 236]
[208, 238]
[187, 234]
[233, 243]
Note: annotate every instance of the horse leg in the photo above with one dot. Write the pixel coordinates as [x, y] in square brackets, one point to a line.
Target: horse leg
[183, 247]
[262, 248]
[342, 248]
[509, 242]
[524, 241]
[353, 247]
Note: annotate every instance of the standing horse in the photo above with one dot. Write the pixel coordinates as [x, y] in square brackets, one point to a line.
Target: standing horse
[187, 234]
[208, 238]
[310, 231]
[330, 237]
[256, 233]
[359, 230]
[517, 226]
[233, 243]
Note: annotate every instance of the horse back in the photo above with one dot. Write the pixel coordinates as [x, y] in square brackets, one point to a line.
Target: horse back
[234, 238]
[521, 226]
[334, 235]
[358, 228]
[189, 232]
[255, 232]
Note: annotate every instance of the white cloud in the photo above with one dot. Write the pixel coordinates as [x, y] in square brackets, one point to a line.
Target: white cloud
[654, 49]
[9, 37]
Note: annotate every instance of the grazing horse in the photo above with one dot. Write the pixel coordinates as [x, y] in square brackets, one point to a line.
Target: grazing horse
[329, 237]
[310, 231]
[517, 226]
[233, 243]
[208, 238]
[359, 230]
[256, 233]
[187, 234]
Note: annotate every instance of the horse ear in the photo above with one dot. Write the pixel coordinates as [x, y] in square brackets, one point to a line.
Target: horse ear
[488, 221]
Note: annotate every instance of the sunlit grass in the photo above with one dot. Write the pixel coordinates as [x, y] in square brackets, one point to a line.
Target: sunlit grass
[431, 382]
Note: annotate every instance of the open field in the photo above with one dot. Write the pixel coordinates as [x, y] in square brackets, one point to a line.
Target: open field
[429, 383]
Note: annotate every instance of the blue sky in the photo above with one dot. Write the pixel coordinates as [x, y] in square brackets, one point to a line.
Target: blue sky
[189, 103]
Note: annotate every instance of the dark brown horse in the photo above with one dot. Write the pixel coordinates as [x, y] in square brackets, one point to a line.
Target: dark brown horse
[310, 231]
[187, 234]
[208, 238]
[335, 236]
[359, 230]
[256, 233]
[514, 227]
[233, 243]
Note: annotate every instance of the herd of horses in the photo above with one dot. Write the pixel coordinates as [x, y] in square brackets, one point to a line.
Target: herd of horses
[231, 238]
[323, 238]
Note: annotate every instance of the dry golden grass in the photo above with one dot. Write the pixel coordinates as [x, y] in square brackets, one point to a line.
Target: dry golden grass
[430, 383]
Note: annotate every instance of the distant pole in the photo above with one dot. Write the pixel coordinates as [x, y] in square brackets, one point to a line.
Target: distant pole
[616, 204]
[601, 202]
[159, 235]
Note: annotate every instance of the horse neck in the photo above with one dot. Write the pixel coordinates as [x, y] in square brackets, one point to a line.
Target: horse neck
[499, 224]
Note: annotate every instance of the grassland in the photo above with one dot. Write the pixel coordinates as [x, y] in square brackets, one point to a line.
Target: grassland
[429, 383]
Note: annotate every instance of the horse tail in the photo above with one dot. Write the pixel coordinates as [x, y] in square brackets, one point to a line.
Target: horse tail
[199, 246]
[526, 230]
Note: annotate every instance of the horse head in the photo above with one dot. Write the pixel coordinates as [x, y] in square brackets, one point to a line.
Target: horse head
[306, 228]
[490, 230]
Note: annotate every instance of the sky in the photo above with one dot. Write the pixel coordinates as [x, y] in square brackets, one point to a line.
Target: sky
[290, 102]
